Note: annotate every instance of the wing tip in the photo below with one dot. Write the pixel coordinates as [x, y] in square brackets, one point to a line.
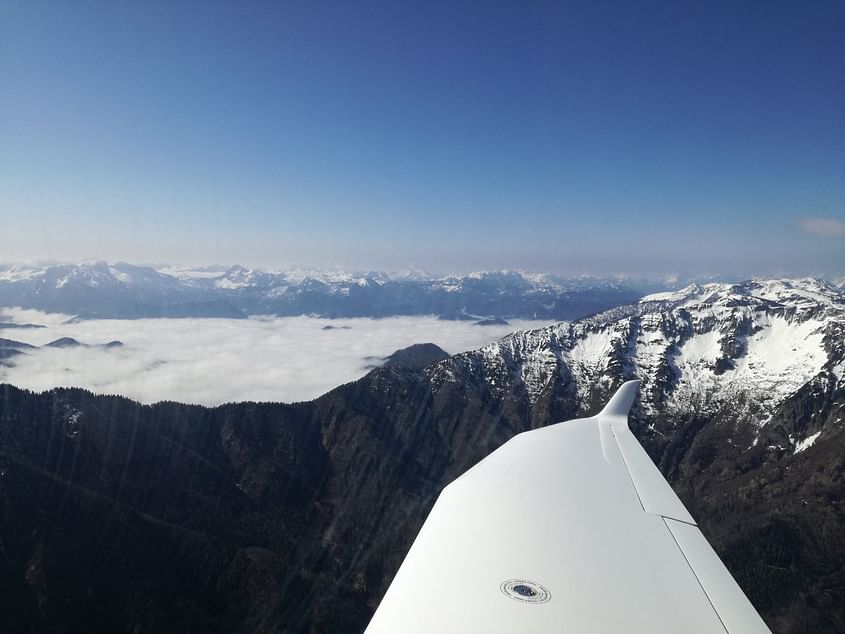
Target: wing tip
[620, 403]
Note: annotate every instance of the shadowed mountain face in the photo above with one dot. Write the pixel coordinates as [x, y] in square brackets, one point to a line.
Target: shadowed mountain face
[294, 518]
[416, 356]
[240, 518]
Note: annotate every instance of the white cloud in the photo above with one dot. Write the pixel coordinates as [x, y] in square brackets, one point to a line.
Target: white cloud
[212, 361]
[825, 227]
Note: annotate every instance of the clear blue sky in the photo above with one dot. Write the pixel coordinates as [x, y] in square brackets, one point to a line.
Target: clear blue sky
[570, 137]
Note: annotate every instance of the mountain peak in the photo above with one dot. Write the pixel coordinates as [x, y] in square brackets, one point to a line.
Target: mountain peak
[416, 356]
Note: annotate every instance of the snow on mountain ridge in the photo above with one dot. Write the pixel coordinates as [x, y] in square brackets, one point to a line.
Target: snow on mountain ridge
[234, 277]
[701, 348]
[807, 290]
[98, 290]
[20, 272]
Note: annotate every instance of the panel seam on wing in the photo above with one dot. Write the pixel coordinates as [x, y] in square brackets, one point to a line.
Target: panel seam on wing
[652, 508]
[692, 570]
[627, 470]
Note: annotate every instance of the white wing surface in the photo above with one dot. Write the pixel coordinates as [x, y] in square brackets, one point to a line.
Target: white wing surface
[569, 528]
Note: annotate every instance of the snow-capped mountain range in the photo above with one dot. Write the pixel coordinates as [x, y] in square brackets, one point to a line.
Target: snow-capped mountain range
[738, 348]
[703, 348]
[741, 407]
[102, 290]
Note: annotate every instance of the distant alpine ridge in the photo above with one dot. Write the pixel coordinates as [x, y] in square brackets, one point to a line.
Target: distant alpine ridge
[98, 290]
[10, 348]
[273, 517]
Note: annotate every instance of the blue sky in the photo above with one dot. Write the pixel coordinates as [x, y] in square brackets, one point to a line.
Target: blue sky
[694, 137]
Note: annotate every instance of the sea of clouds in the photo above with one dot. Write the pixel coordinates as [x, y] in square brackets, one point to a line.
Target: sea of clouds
[213, 361]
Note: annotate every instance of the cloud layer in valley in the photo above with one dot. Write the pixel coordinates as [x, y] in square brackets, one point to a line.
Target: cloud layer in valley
[212, 361]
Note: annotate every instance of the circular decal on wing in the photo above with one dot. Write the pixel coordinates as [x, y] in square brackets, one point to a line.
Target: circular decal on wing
[525, 591]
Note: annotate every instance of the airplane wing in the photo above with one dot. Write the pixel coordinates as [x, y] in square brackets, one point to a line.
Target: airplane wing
[569, 528]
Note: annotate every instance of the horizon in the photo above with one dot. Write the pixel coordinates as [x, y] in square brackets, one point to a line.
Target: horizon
[173, 269]
[696, 140]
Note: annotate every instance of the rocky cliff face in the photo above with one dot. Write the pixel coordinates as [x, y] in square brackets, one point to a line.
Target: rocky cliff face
[702, 349]
[270, 517]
